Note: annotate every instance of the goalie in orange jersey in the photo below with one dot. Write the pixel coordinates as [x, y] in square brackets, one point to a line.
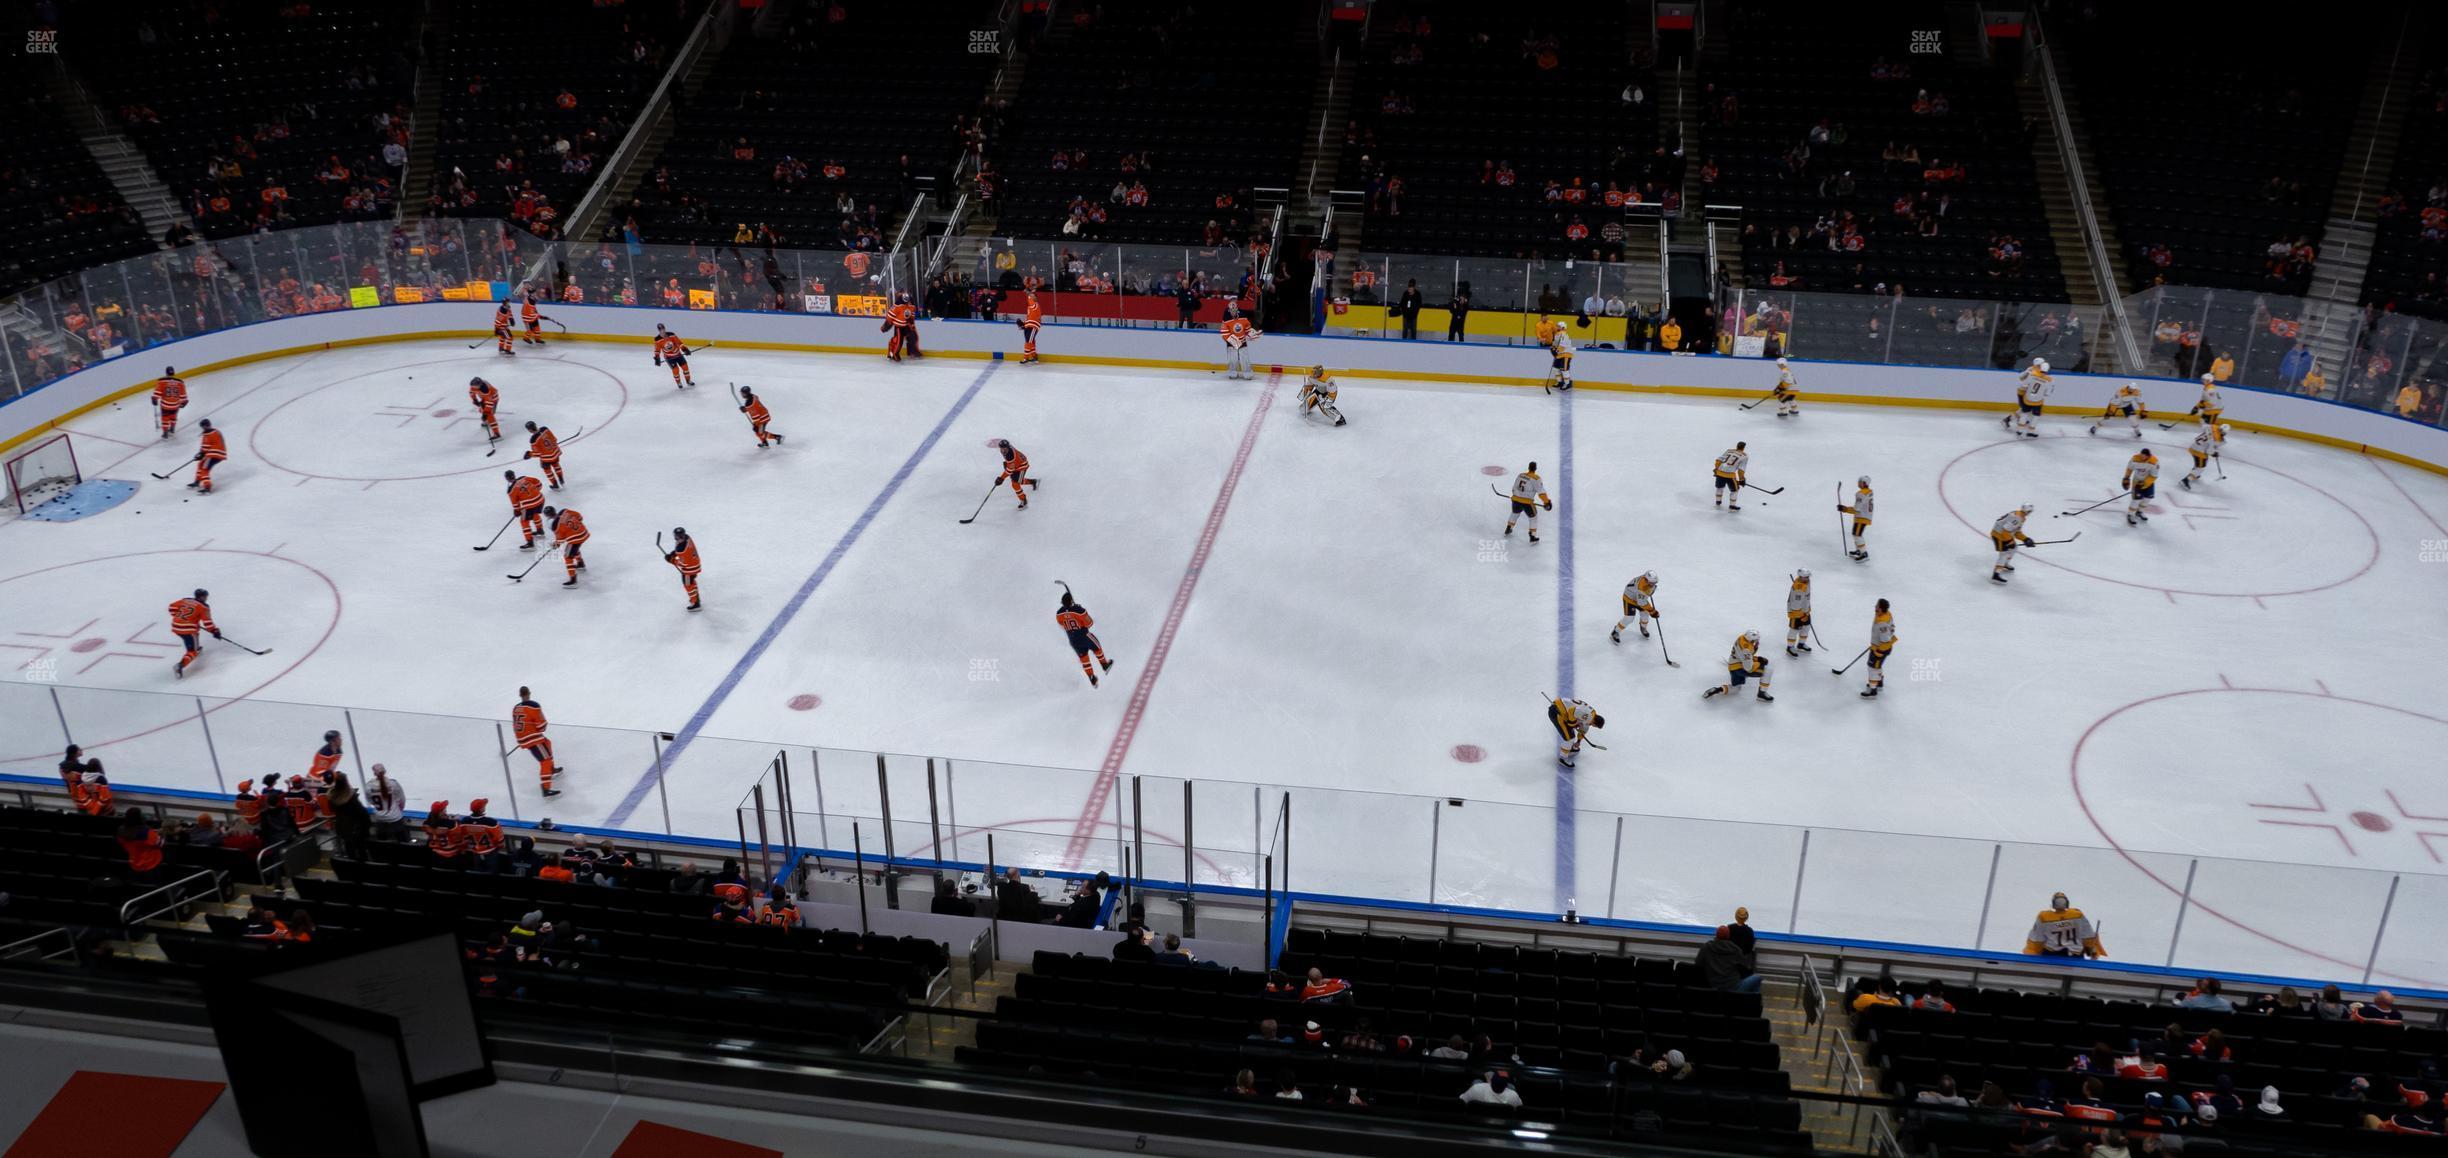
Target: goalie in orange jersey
[669, 351]
[901, 321]
[1075, 622]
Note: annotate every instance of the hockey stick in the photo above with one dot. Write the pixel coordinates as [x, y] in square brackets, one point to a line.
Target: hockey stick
[981, 507]
[1814, 630]
[2046, 542]
[542, 555]
[241, 646]
[1780, 490]
[694, 349]
[1849, 663]
[733, 387]
[1065, 586]
[2097, 505]
[1749, 405]
[556, 323]
[1587, 742]
[492, 444]
[166, 476]
[496, 535]
[1840, 514]
[2222, 467]
[1662, 641]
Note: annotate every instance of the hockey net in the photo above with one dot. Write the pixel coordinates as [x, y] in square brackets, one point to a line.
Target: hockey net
[41, 472]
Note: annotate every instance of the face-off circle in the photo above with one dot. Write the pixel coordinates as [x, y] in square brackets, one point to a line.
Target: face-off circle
[362, 428]
[2262, 533]
[57, 624]
[2297, 785]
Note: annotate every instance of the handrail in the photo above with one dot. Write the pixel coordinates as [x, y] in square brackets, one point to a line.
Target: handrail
[127, 921]
[616, 167]
[269, 852]
[2095, 246]
[7, 951]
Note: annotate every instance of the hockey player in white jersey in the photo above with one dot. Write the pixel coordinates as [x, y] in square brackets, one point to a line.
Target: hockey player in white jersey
[1860, 510]
[1798, 614]
[2006, 535]
[1882, 642]
[1744, 664]
[1318, 392]
[1573, 720]
[1639, 605]
[2141, 485]
[1788, 395]
[2205, 447]
[2127, 404]
[1729, 474]
[2031, 392]
[1529, 494]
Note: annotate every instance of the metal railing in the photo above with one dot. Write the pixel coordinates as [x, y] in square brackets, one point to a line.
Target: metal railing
[129, 922]
[615, 172]
[2094, 244]
[25, 947]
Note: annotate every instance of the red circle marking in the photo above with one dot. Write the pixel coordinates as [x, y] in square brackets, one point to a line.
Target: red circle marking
[2075, 768]
[182, 721]
[1492, 471]
[2371, 822]
[85, 645]
[2359, 572]
[1469, 753]
[803, 702]
[256, 431]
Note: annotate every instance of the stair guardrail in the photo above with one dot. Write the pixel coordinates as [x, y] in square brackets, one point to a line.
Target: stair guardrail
[2103, 268]
[32, 946]
[128, 920]
[615, 172]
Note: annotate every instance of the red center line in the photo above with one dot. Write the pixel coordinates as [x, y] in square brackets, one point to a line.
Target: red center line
[1084, 830]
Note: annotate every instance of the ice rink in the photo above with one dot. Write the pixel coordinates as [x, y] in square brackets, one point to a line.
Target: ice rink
[2243, 703]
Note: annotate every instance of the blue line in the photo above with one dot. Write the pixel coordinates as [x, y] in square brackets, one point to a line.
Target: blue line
[773, 631]
[1564, 808]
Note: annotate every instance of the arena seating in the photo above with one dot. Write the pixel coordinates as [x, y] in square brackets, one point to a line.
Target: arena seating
[58, 213]
[861, 94]
[1792, 69]
[2021, 1041]
[502, 98]
[2409, 270]
[1214, 99]
[1565, 1015]
[66, 868]
[268, 96]
[2188, 144]
[1437, 111]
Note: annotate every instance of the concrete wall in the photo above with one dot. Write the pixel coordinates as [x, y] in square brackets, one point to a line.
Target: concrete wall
[1822, 382]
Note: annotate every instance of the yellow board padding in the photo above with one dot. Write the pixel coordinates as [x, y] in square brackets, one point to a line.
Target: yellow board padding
[1375, 320]
[1815, 396]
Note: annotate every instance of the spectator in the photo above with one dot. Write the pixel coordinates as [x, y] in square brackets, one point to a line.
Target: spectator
[2205, 995]
[203, 832]
[480, 838]
[1270, 1031]
[143, 845]
[1360, 1038]
[2380, 1010]
[1313, 1036]
[2211, 1046]
[1016, 901]
[1933, 998]
[262, 925]
[1173, 953]
[1408, 309]
[1883, 993]
[1324, 990]
[386, 805]
[1287, 1088]
[1244, 1085]
[1087, 903]
[1725, 965]
[301, 927]
[350, 820]
[1134, 946]
[1454, 1049]
[2143, 1064]
[2331, 1006]
[1670, 335]
[1494, 1088]
[2269, 1110]
[1945, 1094]
[2112, 1145]
[1457, 313]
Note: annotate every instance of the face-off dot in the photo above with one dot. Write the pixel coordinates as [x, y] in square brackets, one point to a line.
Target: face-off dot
[1469, 753]
[85, 645]
[2371, 822]
[1492, 471]
[804, 702]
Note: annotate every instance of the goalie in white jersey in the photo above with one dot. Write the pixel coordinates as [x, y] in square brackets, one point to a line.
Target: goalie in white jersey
[1317, 393]
[2127, 404]
[1860, 510]
[1573, 720]
[2205, 447]
[1639, 604]
[1529, 494]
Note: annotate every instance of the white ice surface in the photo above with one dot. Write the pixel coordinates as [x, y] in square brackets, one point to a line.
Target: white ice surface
[2248, 691]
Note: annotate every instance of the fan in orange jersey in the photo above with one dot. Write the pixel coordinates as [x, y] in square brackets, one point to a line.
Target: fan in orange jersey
[543, 447]
[901, 321]
[668, 351]
[1075, 622]
[501, 329]
[569, 532]
[211, 449]
[190, 617]
[169, 397]
[526, 505]
[778, 909]
[758, 416]
[684, 556]
[527, 727]
[1015, 468]
[1029, 325]
[326, 764]
[534, 321]
[487, 400]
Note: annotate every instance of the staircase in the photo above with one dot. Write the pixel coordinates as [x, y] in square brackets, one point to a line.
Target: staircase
[1834, 1127]
[2056, 191]
[982, 223]
[2347, 237]
[425, 123]
[121, 161]
[617, 187]
[1321, 160]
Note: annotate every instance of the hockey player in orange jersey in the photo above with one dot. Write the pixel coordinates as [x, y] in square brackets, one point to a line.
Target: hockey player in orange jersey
[210, 449]
[1015, 469]
[569, 533]
[1030, 323]
[1075, 622]
[683, 555]
[901, 321]
[169, 397]
[758, 416]
[527, 729]
[501, 329]
[670, 351]
[533, 320]
[545, 448]
[488, 400]
[189, 618]
[526, 505]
